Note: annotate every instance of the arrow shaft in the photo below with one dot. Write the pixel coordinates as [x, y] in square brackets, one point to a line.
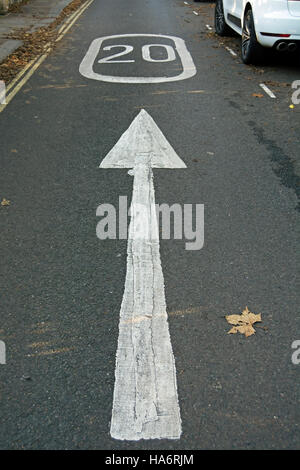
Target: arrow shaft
[145, 396]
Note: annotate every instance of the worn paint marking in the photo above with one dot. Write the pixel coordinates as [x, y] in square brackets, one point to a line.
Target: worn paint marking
[145, 404]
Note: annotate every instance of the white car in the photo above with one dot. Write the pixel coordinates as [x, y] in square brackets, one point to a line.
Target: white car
[261, 23]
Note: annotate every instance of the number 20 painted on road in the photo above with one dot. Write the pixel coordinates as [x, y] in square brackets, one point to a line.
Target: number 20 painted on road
[145, 54]
[188, 66]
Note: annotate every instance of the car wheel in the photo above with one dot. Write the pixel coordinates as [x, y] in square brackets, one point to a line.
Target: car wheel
[252, 51]
[222, 29]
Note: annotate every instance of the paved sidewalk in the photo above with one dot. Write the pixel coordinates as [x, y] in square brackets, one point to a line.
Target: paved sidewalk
[32, 16]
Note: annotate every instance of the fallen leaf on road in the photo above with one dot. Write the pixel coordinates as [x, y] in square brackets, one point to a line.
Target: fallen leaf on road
[257, 95]
[243, 322]
[5, 202]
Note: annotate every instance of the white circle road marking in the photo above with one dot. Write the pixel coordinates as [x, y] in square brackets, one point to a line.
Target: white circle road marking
[86, 66]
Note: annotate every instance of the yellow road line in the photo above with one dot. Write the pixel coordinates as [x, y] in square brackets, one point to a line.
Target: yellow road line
[17, 78]
[32, 66]
[72, 22]
[17, 88]
[70, 18]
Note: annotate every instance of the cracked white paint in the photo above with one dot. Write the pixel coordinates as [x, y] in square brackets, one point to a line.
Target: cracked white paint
[145, 404]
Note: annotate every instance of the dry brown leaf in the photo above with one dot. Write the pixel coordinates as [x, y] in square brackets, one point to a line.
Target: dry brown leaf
[257, 95]
[5, 202]
[243, 322]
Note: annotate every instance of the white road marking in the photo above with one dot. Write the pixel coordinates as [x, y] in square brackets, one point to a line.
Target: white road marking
[195, 13]
[267, 90]
[234, 54]
[86, 66]
[147, 54]
[145, 404]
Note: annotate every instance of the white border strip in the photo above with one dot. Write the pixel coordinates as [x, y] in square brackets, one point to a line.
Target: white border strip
[267, 90]
[234, 54]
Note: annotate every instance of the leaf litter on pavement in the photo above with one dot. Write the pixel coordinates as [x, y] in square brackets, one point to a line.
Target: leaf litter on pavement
[244, 322]
[34, 44]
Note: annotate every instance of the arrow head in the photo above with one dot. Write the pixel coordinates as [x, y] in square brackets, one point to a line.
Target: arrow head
[142, 136]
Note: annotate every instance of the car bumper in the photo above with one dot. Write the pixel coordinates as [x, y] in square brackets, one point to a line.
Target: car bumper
[277, 23]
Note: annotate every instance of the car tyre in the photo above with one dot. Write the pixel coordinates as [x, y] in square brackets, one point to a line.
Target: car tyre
[221, 27]
[252, 51]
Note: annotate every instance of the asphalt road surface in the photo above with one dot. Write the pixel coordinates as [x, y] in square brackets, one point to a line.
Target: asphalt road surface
[61, 287]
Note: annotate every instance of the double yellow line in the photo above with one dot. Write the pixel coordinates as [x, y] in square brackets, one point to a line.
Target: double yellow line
[19, 81]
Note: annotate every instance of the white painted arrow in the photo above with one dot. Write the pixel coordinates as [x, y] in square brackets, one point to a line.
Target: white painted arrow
[145, 404]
